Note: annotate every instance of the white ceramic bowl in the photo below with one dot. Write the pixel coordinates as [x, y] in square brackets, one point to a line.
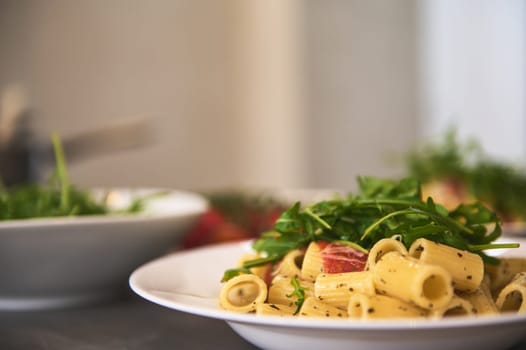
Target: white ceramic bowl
[196, 289]
[58, 262]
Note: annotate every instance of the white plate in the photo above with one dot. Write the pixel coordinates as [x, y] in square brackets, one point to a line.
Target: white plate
[65, 261]
[189, 281]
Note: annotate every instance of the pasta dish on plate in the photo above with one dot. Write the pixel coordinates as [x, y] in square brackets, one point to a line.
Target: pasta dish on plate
[384, 253]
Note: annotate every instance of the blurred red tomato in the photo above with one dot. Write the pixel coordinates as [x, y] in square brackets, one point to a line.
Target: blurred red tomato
[232, 217]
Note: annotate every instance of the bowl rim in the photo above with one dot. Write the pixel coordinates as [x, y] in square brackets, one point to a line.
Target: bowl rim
[198, 204]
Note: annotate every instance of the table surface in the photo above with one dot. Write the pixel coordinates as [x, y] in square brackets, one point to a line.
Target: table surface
[129, 323]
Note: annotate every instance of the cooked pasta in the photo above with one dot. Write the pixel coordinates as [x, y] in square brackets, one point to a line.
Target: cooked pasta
[315, 308]
[291, 264]
[466, 269]
[365, 306]
[259, 271]
[312, 264]
[425, 285]
[269, 309]
[513, 296]
[383, 252]
[336, 288]
[243, 293]
[482, 299]
[383, 247]
[428, 280]
[281, 289]
[457, 306]
[503, 273]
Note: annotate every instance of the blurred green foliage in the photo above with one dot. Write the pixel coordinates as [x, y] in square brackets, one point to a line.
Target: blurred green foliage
[499, 184]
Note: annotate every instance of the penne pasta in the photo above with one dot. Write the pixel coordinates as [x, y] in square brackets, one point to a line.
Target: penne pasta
[513, 296]
[336, 289]
[364, 306]
[428, 286]
[243, 293]
[466, 268]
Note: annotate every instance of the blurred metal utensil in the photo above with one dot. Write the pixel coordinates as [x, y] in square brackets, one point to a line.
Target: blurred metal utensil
[111, 138]
[13, 106]
[15, 163]
[23, 158]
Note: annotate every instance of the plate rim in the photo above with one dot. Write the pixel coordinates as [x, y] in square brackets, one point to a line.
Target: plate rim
[362, 325]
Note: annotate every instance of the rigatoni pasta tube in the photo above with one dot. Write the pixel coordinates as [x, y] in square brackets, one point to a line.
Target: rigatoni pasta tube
[242, 293]
[383, 247]
[481, 299]
[336, 288]
[428, 286]
[466, 268]
[312, 262]
[513, 296]
[381, 306]
[259, 271]
[268, 309]
[291, 264]
[315, 308]
[457, 307]
[281, 289]
[503, 273]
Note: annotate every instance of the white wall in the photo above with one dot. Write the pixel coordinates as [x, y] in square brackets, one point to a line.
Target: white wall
[268, 101]
[87, 64]
[217, 80]
[473, 61]
[267, 93]
[362, 89]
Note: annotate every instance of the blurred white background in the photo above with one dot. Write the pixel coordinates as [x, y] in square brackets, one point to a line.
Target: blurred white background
[267, 93]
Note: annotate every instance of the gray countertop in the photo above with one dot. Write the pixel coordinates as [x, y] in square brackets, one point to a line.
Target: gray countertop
[129, 323]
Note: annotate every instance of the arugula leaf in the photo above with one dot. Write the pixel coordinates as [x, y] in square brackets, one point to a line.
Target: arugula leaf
[298, 292]
[382, 208]
[372, 187]
[279, 244]
[231, 273]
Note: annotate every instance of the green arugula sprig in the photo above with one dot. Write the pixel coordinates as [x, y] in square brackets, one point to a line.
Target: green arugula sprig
[383, 208]
[298, 292]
